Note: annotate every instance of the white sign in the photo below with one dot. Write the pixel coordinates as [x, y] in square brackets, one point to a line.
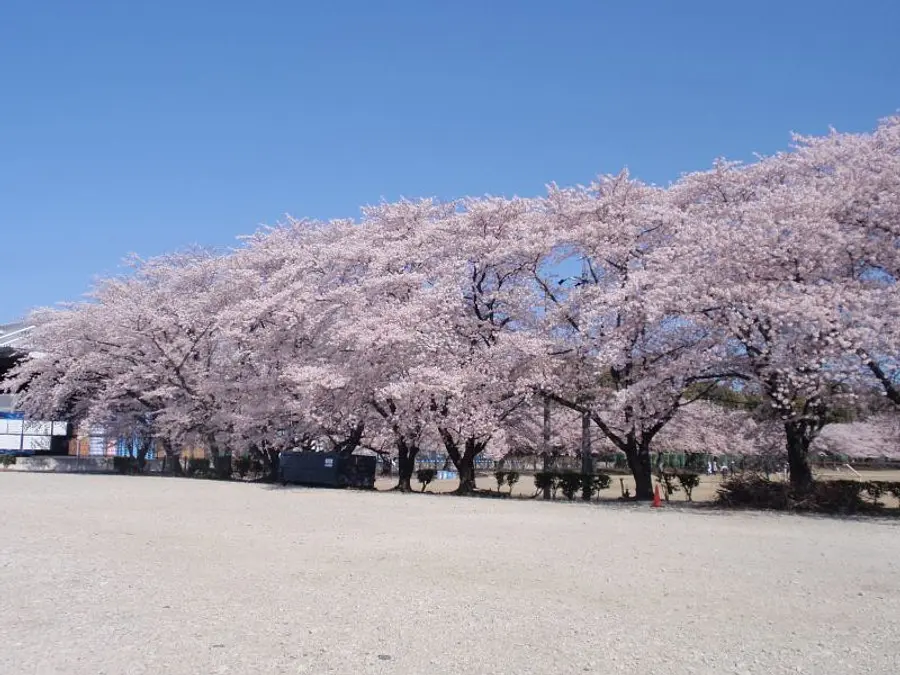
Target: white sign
[35, 442]
[10, 442]
[36, 428]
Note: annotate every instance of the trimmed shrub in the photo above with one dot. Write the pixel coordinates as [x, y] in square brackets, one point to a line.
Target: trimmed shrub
[500, 477]
[256, 466]
[570, 483]
[752, 491]
[126, 465]
[588, 488]
[546, 480]
[198, 467]
[831, 496]
[512, 477]
[688, 480]
[601, 482]
[7, 460]
[667, 481]
[241, 465]
[875, 489]
[836, 496]
[591, 484]
[425, 476]
[894, 489]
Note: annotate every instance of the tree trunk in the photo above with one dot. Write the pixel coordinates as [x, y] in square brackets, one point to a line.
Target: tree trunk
[221, 464]
[891, 390]
[638, 455]
[212, 447]
[548, 465]
[172, 459]
[798, 442]
[466, 468]
[545, 443]
[173, 464]
[142, 450]
[465, 461]
[406, 459]
[348, 446]
[273, 463]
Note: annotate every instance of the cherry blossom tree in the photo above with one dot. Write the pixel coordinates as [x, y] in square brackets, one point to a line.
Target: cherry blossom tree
[877, 437]
[77, 372]
[796, 258]
[620, 347]
[445, 308]
[290, 331]
[143, 353]
[762, 262]
[857, 178]
[710, 428]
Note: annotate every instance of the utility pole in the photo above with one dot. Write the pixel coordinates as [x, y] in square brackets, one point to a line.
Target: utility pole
[545, 442]
[587, 465]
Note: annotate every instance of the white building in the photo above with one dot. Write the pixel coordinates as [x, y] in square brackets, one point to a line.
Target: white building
[18, 435]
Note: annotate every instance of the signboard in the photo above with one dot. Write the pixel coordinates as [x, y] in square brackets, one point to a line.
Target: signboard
[11, 426]
[36, 443]
[10, 441]
[21, 435]
[38, 428]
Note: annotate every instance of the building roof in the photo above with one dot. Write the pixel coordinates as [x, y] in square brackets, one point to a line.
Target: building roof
[13, 333]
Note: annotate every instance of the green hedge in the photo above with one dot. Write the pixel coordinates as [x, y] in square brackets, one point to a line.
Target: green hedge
[571, 483]
[829, 496]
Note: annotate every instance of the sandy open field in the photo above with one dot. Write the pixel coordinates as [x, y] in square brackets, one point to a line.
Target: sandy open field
[109, 574]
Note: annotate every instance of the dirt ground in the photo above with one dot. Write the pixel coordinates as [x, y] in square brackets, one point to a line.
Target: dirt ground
[148, 575]
[705, 492]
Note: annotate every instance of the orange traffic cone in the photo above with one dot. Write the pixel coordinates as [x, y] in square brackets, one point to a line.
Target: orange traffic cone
[657, 502]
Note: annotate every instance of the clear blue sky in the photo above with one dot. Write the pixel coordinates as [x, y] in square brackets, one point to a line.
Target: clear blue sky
[148, 126]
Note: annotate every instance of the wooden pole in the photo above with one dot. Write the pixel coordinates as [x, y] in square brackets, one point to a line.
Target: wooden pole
[587, 465]
[545, 442]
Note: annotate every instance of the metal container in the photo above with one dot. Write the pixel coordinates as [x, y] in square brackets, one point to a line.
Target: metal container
[327, 469]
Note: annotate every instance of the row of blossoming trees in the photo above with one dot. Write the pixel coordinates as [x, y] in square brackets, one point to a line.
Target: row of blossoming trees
[449, 323]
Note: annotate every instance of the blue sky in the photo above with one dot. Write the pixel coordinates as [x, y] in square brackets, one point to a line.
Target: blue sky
[149, 126]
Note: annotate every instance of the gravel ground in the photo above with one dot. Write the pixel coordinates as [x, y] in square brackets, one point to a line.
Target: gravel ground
[108, 574]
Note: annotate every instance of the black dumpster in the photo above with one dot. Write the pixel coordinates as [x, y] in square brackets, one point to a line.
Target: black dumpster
[328, 469]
